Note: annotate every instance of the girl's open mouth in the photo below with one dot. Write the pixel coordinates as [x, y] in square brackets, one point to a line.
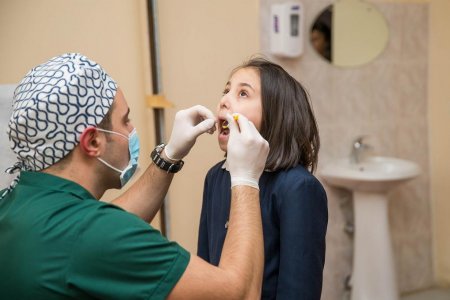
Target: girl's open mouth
[223, 127]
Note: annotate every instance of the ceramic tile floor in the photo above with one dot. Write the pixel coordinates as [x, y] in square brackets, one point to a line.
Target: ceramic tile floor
[434, 294]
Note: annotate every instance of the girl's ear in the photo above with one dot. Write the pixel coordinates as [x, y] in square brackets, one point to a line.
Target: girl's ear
[90, 141]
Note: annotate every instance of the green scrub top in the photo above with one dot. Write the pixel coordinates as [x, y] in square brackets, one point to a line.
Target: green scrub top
[58, 242]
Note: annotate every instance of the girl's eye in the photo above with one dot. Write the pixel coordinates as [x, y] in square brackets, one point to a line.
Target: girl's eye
[243, 94]
[225, 91]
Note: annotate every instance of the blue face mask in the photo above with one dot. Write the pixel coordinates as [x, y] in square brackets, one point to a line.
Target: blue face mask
[133, 147]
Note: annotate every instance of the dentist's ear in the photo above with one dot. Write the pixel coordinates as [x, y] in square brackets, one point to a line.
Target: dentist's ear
[90, 141]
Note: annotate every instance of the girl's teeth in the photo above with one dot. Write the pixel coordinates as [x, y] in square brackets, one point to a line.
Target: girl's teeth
[225, 124]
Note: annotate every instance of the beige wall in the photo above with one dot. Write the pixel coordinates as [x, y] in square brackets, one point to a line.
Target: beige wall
[439, 127]
[111, 32]
[201, 41]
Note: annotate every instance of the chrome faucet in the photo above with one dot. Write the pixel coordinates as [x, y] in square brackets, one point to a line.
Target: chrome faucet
[359, 148]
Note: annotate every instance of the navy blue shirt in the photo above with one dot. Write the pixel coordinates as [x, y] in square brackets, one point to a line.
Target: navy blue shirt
[294, 216]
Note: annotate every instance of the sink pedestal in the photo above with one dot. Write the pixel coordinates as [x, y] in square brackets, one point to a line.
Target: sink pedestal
[373, 275]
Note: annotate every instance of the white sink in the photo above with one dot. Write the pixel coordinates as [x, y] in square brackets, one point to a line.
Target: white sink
[373, 275]
[374, 174]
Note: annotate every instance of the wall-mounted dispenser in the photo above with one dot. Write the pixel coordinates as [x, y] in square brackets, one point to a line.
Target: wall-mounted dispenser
[286, 29]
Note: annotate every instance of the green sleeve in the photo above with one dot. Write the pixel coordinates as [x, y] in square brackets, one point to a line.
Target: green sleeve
[119, 256]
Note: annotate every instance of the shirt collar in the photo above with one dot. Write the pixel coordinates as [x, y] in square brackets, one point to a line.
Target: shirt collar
[225, 166]
[54, 183]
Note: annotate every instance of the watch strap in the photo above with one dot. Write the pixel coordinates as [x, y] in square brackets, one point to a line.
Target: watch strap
[163, 164]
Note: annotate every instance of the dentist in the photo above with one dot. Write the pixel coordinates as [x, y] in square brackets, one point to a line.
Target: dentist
[73, 139]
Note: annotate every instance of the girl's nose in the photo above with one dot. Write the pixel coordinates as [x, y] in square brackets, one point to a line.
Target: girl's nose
[224, 102]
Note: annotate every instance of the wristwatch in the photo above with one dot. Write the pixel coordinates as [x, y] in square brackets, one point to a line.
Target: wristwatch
[164, 164]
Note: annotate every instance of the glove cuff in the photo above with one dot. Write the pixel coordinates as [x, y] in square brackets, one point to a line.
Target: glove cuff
[163, 164]
[169, 156]
[244, 181]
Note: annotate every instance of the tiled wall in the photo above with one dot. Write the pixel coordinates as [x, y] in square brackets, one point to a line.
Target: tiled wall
[387, 100]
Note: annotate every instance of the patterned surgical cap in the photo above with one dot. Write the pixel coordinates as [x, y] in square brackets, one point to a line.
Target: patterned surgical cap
[53, 105]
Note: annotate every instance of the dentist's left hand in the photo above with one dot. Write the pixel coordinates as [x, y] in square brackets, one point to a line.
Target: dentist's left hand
[188, 125]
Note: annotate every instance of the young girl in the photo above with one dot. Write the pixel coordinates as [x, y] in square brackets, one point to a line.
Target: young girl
[293, 202]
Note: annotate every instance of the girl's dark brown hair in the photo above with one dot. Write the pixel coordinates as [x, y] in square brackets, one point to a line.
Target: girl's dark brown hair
[288, 121]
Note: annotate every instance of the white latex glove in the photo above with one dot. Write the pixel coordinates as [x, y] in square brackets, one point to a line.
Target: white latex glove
[188, 125]
[247, 152]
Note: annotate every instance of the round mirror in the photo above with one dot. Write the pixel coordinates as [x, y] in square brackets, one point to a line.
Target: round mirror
[349, 33]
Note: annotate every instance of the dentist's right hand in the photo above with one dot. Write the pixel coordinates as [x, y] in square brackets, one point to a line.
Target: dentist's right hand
[188, 125]
[247, 152]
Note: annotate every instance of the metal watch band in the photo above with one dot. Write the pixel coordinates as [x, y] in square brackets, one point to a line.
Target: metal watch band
[164, 164]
